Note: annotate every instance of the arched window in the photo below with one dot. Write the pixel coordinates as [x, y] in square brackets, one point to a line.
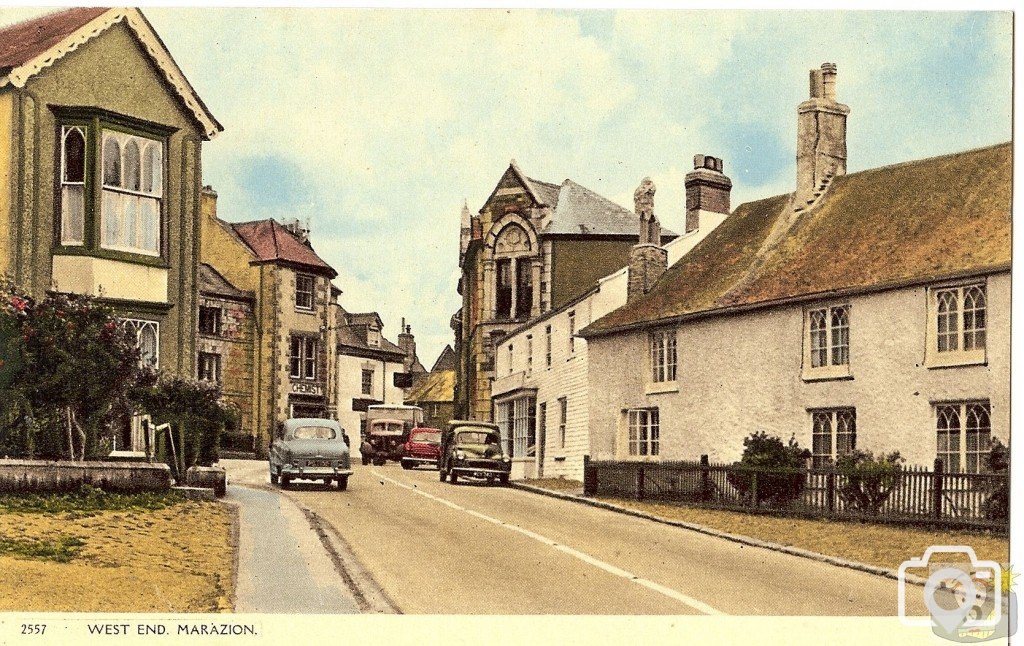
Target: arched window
[74, 155]
[974, 318]
[132, 166]
[152, 169]
[111, 161]
[819, 339]
[947, 428]
[72, 192]
[948, 321]
[513, 276]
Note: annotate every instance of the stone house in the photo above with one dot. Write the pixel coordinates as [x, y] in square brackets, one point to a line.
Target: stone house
[864, 311]
[540, 390]
[532, 247]
[293, 355]
[100, 174]
[367, 364]
[434, 391]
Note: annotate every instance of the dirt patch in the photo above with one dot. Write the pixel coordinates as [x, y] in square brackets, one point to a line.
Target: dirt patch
[564, 485]
[884, 545]
[176, 558]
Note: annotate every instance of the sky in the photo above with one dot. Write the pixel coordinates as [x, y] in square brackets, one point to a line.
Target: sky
[377, 125]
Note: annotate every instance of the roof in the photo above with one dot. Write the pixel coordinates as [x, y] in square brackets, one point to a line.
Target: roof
[446, 360]
[352, 339]
[580, 211]
[365, 318]
[896, 225]
[212, 282]
[271, 242]
[29, 47]
[437, 386]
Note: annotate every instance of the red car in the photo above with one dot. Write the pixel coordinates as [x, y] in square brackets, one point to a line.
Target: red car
[423, 447]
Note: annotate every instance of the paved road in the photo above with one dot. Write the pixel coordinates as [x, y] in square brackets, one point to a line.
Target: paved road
[282, 565]
[468, 548]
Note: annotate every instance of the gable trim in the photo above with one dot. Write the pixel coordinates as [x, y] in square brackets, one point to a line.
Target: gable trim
[151, 44]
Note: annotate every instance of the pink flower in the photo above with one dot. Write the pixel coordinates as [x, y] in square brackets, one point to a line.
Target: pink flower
[18, 303]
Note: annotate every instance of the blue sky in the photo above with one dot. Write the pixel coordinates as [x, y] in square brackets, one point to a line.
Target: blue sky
[376, 124]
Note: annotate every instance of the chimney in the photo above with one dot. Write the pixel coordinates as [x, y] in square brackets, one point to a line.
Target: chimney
[296, 228]
[648, 260]
[208, 202]
[707, 189]
[465, 231]
[821, 137]
[407, 342]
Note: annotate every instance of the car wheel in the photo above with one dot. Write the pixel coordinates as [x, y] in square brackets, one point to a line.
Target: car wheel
[343, 483]
[366, 460]
[454, 477]
[503, 478]
[441, 474]
[379, 461]
[285, 482]
[406, 465]
[273, 476]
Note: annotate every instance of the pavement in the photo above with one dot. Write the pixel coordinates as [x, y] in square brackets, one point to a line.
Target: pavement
[474, 549]
[283, 566]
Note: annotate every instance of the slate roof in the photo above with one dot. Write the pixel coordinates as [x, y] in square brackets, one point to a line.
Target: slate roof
[580, 211]
[21, 42]
[353, 337]
[213, 283]
[895, 225]
[271, 242]
[437, 386]
[446, 360]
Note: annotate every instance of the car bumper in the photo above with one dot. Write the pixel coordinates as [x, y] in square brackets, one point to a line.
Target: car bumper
[314, 473]
[418, 458]
[487, 471]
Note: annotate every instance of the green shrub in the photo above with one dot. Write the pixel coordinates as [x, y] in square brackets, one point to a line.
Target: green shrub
[866, 480]
[997, 462]
[778, 469]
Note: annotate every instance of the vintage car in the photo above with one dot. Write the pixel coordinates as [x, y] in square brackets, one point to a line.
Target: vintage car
[473, 449]
[310, 449]
[384, 440]
[423, 448]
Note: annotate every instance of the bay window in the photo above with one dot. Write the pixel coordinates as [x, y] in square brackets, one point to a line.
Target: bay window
[132, 193]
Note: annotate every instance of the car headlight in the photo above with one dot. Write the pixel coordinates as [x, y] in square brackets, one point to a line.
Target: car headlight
[459, 455]
[505, 458]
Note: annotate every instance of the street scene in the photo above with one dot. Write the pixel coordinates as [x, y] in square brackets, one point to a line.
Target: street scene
[337, 352]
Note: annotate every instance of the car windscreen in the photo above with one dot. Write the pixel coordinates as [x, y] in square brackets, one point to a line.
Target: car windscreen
[387, 428]
[314, 433]
[477, 437]
[428, 437]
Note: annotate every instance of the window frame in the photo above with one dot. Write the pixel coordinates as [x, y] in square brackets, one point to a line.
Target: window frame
[663, 357]
[366, 385]
[572, 333]
[825, 459]
[563, 417]
[966, 458]
[645, 442]
[64, 129]
[310, 293]
[217, 367]
[959, 356]
[218, 320]
[139, 326]
[820, 345]
[547, 347]
[302, 357]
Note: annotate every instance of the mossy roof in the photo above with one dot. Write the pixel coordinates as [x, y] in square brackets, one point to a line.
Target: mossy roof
[887, 226]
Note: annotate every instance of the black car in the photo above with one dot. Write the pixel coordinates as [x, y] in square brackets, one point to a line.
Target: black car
[473, 449]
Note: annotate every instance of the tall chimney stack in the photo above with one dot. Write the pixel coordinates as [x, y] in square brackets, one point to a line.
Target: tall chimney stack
[707, 189]
[407, 343]
[648, 260]
[821, 137]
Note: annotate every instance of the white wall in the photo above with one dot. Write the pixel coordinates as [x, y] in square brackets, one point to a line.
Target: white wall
[350, 386]
[741, 373]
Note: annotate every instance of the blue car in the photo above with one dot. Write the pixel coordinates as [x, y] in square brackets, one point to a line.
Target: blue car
[310, 449]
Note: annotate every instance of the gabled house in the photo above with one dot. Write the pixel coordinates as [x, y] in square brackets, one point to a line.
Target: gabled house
[434, 391]
[292, 352]
[100, 174]
[864, 311]
[532, 247]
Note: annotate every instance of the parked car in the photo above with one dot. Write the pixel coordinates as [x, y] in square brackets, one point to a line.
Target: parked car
[384, 440]
[473, 449]
[310, 449]
[423, 448]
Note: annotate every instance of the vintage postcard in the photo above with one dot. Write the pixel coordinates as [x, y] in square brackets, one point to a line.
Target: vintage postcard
[621, 325]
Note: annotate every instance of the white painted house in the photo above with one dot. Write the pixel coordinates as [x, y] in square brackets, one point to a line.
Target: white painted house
[540, 385]
[867, 310]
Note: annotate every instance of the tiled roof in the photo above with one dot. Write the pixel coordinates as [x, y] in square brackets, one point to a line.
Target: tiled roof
[446, 360]
[547, 192]
[912, 222]
[437, 386]
[270, 241]
[579, 210]
[212, 282]
[21, 42]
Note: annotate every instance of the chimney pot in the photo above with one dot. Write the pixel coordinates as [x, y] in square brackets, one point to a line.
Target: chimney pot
[707, 189]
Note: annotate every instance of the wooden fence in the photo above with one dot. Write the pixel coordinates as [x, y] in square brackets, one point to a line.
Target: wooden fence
[912, 495]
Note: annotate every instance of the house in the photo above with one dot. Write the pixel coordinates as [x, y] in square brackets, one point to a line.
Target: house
[292, 352]
[540, 392]
[434, 391]
[100, 174]
[868, 310]
[366, 366]
[532, 247]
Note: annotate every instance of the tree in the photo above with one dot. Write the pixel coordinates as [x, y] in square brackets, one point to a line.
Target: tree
[78, 367]
[997, 463]
[868, 480]
[770, 471]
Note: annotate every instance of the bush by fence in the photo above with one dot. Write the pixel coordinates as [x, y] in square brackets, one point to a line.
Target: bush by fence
[880, 489]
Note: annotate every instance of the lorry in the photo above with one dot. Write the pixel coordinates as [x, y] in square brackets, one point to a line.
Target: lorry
[387, 431]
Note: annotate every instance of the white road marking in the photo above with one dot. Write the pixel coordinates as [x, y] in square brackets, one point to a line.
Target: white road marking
[696, 604]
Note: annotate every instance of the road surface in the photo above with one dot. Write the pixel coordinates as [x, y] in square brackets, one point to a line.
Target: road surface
[464, 549]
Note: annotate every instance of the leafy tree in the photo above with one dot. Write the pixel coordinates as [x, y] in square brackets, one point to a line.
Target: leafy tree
[778, 469]
[868, 480]
[997, 462]
[76, 368]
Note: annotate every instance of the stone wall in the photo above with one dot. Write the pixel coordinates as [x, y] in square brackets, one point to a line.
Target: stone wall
[40, 476]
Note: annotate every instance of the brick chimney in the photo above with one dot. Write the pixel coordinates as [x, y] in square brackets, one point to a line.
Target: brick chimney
[208, 202]
[648, 260]
[407, 342]
[707, 189]
[821, 137]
